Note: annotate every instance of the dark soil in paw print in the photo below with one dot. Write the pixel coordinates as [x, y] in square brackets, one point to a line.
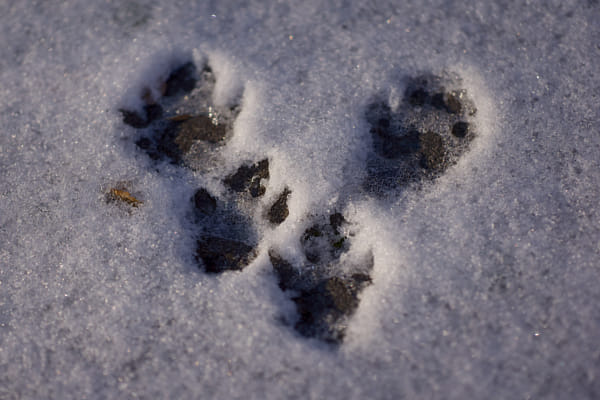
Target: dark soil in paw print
[221, 254]
[183, 79]
[182, 126]
[227, 241]
[227, 238]
[323, 308]
[193, 129]
[248, 178]
[420, 138]
[324, 242]
[433, 151]
[150, 113]
[325, 293]
[279, 210]
[204, 202]
[460, 129]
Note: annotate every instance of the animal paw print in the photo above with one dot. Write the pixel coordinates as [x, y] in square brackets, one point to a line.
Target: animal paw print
[325, 291]
[420, 138]
[226, 242]
[181, 126]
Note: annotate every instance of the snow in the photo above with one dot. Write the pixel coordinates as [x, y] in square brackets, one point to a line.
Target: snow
[485, 280]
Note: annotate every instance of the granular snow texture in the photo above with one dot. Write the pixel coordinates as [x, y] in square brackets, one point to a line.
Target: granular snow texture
[416, 215]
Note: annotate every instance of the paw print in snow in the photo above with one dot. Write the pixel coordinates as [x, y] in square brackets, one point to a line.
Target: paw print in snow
[421, 137]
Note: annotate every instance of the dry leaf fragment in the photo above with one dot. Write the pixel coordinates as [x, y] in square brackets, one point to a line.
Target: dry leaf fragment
[124, 196]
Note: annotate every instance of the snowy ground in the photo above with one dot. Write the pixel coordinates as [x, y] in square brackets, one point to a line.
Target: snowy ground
[485, 281]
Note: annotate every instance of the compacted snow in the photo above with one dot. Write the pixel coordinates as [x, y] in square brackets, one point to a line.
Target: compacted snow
[390, 200]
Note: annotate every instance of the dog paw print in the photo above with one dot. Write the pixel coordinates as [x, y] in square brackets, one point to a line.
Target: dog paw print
[325, 292]
[422, 136]
[228, 241]
[179, 123]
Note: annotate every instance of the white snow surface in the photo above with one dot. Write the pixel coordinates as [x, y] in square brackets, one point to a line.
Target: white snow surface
[486, 282]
